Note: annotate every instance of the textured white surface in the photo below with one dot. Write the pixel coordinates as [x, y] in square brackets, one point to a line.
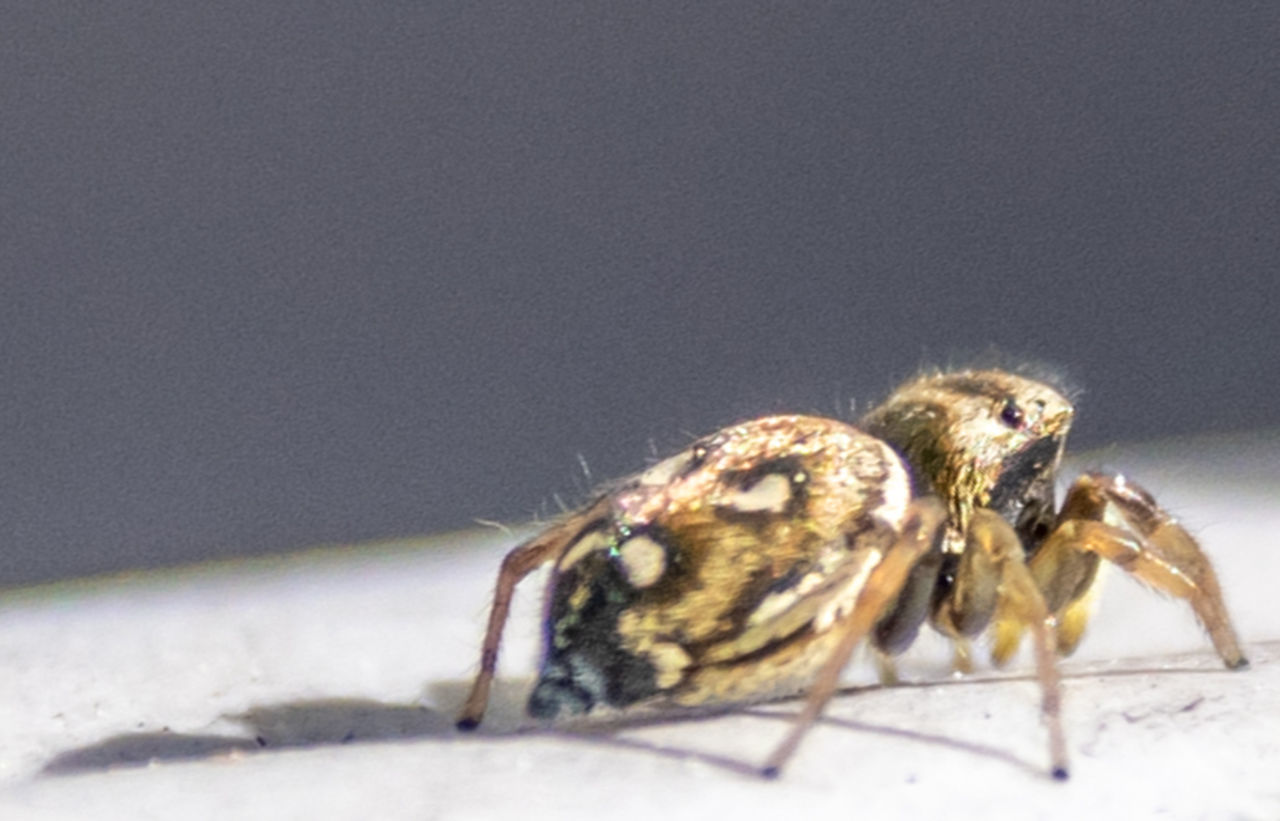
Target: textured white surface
[324, 685]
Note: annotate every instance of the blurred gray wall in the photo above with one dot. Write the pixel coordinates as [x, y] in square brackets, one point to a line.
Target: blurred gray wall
[276, 274]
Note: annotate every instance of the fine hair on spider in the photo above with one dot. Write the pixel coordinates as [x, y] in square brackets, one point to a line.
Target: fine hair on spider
[750, 565]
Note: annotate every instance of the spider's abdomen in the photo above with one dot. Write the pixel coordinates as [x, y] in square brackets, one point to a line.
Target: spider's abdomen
[714, 574]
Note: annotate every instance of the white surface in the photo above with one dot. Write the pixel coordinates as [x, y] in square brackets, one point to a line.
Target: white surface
[324, 685]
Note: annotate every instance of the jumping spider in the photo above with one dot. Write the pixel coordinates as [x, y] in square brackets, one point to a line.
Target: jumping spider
[751, 564]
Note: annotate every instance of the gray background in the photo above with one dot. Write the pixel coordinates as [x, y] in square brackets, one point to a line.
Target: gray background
[302, 273]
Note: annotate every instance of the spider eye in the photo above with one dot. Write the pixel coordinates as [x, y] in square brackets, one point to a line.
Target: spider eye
[1012, 415]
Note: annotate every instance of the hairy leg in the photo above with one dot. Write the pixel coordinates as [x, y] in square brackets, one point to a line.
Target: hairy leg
[923, 524]
[1021, 600]
[1112, 518]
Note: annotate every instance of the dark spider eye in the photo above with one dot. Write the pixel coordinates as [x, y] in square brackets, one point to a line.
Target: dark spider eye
[1012, 415]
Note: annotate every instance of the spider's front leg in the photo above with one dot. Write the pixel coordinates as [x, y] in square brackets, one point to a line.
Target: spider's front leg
[992, 574]
[1109, 517]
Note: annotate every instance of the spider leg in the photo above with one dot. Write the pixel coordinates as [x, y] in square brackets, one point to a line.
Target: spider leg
[922, 525]
[1112, 518]
[517, 564]
[1020, 598]
[900, 622]
[886, 668]
[1071, 619]
[966, 591]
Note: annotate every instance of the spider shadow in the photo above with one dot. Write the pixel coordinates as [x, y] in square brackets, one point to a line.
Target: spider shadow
[301, 724]
[333, 722]
[288, 725]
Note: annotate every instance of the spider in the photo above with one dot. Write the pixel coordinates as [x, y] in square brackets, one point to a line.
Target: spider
[750, 565]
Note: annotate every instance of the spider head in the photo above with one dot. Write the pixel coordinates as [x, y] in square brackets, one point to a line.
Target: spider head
[979, 438]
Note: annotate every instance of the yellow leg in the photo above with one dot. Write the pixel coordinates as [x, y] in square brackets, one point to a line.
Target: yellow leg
[1071, 620]
[1111, 518]
[1021, 601]
[961, 655]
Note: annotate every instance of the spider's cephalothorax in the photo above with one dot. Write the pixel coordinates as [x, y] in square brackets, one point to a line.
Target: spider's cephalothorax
[751, 564]
[979, 439]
